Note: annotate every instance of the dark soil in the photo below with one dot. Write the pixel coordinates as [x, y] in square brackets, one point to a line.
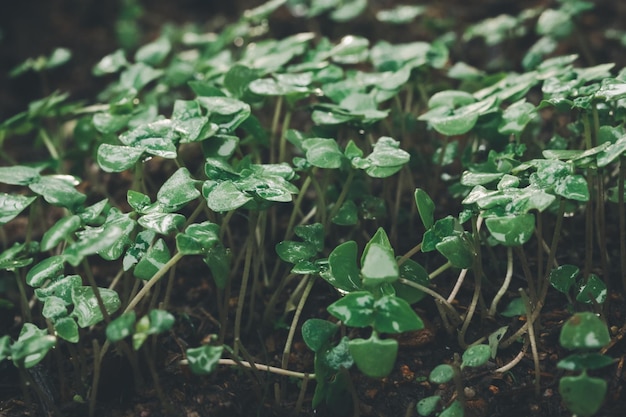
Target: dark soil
[33, 27]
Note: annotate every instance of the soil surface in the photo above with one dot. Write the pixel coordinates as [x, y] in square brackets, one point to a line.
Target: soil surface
[30, 28]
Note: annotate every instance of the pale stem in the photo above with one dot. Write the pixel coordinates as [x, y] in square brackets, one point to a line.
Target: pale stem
[505, 284]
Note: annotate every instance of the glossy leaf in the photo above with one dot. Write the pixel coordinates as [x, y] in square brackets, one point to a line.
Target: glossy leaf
[163, 223]
[18, 175]
[53, 308]
[178, 190]
[379, 266]
[204, 359]
[67, 329]
[394, 315]
[198, 238]
[412, 271]
[348, 10]
[593, 291]
[511, 230]
[347, 215]
[60, 231]
[317, 333]
[584, 331]
[61, 287]
[441, 229]
[47, 269]
[563, 277]
[400, 14]
[225, 196]
[294, 252]
[311, 233]
[11, 205]
[155, 258]
[454, 410]
[218, 260]
[343, 271]
[355, 309]
[441, 374]
[114, 158]
[323, 153]
[86, 309]
[95, 240]
[31, 346]
[457, 249]
[475, 356]
[374, 357]
[59, 191]
[582, 394]
[425, 208]
[386, 159]
[350, 50]
[154, 53]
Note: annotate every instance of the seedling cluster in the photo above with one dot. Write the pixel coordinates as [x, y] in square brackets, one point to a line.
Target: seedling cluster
[288, 165]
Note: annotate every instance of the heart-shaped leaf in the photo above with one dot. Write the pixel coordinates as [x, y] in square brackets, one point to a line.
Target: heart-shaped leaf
[155, 258]
[11, 205]
[343, 272]
[178, 190]
[323, 153]
[47, 269]
[60, 287]
[355, 309]
[593, 291]
[374, 357]
[317, 333]
[121, 327]
[584, 331]
[582, 361]
[582, 394]
[394, 315]
[511, 230]
[204, 359]
[67, 329]
[563, 277]
[60, 231]
[198, 238]
[86, 309]
[31, 346]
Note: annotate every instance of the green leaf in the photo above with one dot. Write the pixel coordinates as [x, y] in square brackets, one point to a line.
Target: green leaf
[454, 410]
[217, 259]
[348, 10]
[347, 215]
[178, 190]
[323, 153]
[412, 271]
[317, 333]
[294, 252]
[110, 63]
[67, 329]
[394, 315]
[160, 321]
[582, 361]
[163, 223]
[154, 52]
[374, 357]
[227, 112]
[86, 309]
[563, 277]
[121, 327]
[476, 355]
[494, 340]
[155, 258]
[204, 359]
[425, 208]
[5, 348]
[355, 309]
[198, 238]
[573, 187]
[400, 14]
[264, 10]
[120, 226]
[225, 196]
[457, 249]
[238, 78]
[53, 308]
[379, 266]
[138, 75]
[60, 231]
[427, 406]
[514, 308]
[441, 374]
[511, 230]
[555, 23]
[350, 50]
[59, 190]
[584, 331]
[343, 271]
[61, 287]
[593, 291]
[11, 205]
[47, 269]
[311, 233]
[95, 240]
[441, 229]
[31, 346]
[387, 158]
[582, 394]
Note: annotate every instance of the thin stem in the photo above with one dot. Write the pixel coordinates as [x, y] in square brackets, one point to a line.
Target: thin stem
[478, 275]
[553, 246]
[410, 253]
[245, 278]
[517, 359]
[282, 151]
[296, 207]
[49, 145]
[457, 285]
[527, 274]
[589, 226]
[274, 129]
[261, 367]
[505, 284]
[97, 361]
[448, 307]
[533, 341]
[342, 196]
[622, 218]
[439, 270]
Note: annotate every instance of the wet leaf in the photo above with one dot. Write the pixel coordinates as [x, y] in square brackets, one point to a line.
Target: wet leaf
[155, 258]
[412, 271]
[163, 223]
[59, 191]
[355, 309]
[47, 269]
[121, 327]
[294, 252]
[155, 52]
[582, 361]
[311, 233]
[394, 315]
[323, 153]
[11, 205]
[458, 250]
[31, 346]
[61, 287]
[427, 406]
[225, 196]
[350, 50]
[53, 308]
[347, 215]
[593, 291]
[511, 230]
[67, 329]
[343, 272]
[86, 309]
[60, 231]
[198, 238]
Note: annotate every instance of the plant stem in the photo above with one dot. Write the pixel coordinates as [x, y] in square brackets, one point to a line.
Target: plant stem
[410, 253]
[478, 276]
[439, 270]
[622, 218]
[260, 367]
[342, 196]
[448, 307]
[505, 284]
[533, 341]
[97, 361]
[245, 278]
[49, 145]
